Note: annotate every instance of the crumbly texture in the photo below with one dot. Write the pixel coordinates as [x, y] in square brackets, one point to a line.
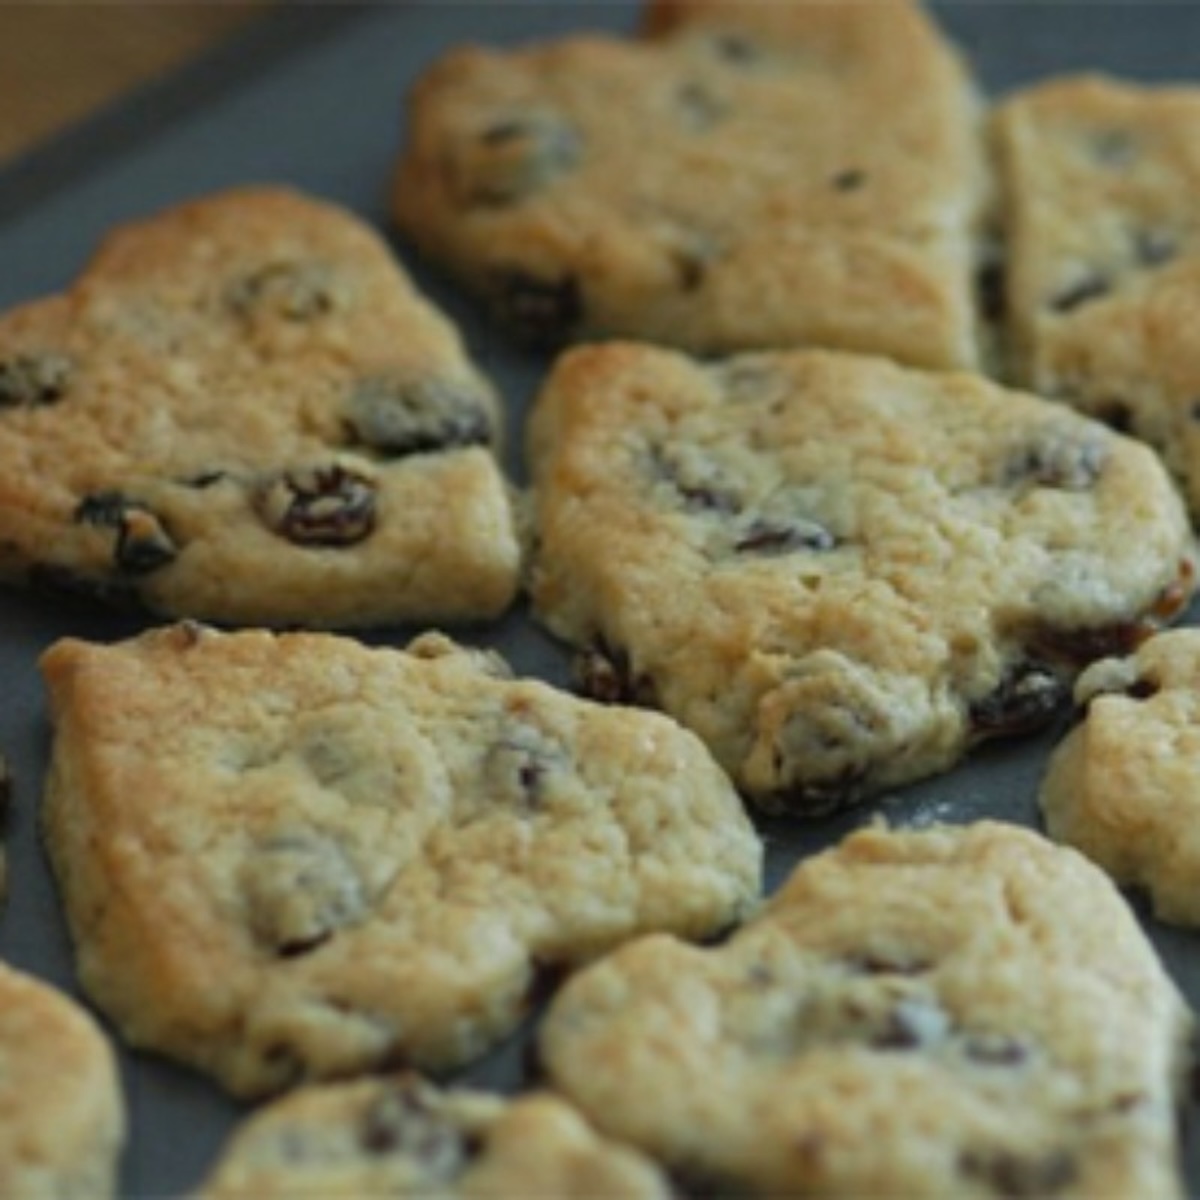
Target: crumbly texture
[1103, 289]
[400, 1136]
[954, 1012]
[839, 572]
[62, 1118]
[1124, 786]
[243, 411]
[377, 853]
[744, 176]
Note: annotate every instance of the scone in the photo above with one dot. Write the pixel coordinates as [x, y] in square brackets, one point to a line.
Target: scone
[243, 411]
[840, 573]
[62, 1117]
[1124, 786]
[746, 175]
[956, 1012]
[293, 857]
[1103, 293]
[400, 1136]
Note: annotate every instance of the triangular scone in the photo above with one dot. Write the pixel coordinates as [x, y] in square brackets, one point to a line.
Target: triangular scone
[1103, 282]
[62, 1117]
[749, 175]
[956, 1012]
[295, 857]
[243, 411]
[839, 572]
[400, 1136]
[1124, 786]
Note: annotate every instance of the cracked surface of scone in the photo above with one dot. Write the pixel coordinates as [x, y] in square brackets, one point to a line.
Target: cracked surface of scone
[62, 1117]
[1124, 785]
[839, 572]
[401, 1136]
[243, 411]
[1103, 284]
[963, 1012]
[743, 176]
[375, 852]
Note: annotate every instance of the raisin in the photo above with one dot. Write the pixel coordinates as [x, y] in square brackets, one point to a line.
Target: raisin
[1020, 1175]
[1079, 646]
[404, 1121]
[204, 479]
[700, 108]
[299, 890]
[34, 380]
[1083, 291]
[322, 506]
[765, 536]
[1154, 248]
[516, 766]
[398, 416]
[1142, 689]
[516, 156]
[995, 1049]
[1028, 696]
[876, 963]
[298, 292]
[1058, 461]
[1116, 414]
[605, 673]
[849, 180]
[818, 798]
[911, 1024]
[542, 313]
[701, 484]
[142, 543]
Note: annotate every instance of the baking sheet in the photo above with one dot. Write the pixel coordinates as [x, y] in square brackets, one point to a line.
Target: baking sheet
[312, 97]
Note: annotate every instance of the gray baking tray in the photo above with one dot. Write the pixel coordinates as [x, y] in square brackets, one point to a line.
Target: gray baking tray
[313, 97]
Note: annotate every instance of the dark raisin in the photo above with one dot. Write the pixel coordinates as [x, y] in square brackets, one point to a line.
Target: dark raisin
[1113, 147]
[296, 292]
[701, 109]
[1154, 248]
[1116, 414]
[1058, 461]
[286, 1064]
[516, 766]
[605, 673]
[849, 180]
[33, 380]
[404, 1121]
[204, 479]
[398, 416]
[1020, 1175]
[995, 1049]
[765, 536]
[876, 963]
[517, 156]
[322, 506]
[542, 313]
[1142, 689]
[911, 1024]
[701, 484]
[817, 798]
[1082, 291]
[1026, 699]
[298, 947]
[142, 544]
[991, 290]
[1080, 646]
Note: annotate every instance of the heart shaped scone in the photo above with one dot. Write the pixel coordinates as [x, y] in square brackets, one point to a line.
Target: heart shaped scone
[243, 411]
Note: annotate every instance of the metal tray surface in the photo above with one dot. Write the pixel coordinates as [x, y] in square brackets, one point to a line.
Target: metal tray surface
[313, 97]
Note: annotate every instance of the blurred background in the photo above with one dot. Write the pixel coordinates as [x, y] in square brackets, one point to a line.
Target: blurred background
[60, 61]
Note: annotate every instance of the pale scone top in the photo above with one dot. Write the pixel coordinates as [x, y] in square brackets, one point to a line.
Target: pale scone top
[242, 410]
[401, 1136]
[839, 572]
[948, 1012]
[747, 176]
[62, 1116]
[375, 852]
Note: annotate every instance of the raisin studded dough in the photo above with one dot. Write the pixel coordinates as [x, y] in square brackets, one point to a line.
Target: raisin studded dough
[840, 573]
[375, 852]
[1103, 296]
[957, 1012]
[243, 411]
[400, 1136]
[742, 176]
[62, 1117]
[1124, 786]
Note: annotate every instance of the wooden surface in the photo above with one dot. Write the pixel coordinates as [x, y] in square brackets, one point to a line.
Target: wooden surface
[59, 61]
